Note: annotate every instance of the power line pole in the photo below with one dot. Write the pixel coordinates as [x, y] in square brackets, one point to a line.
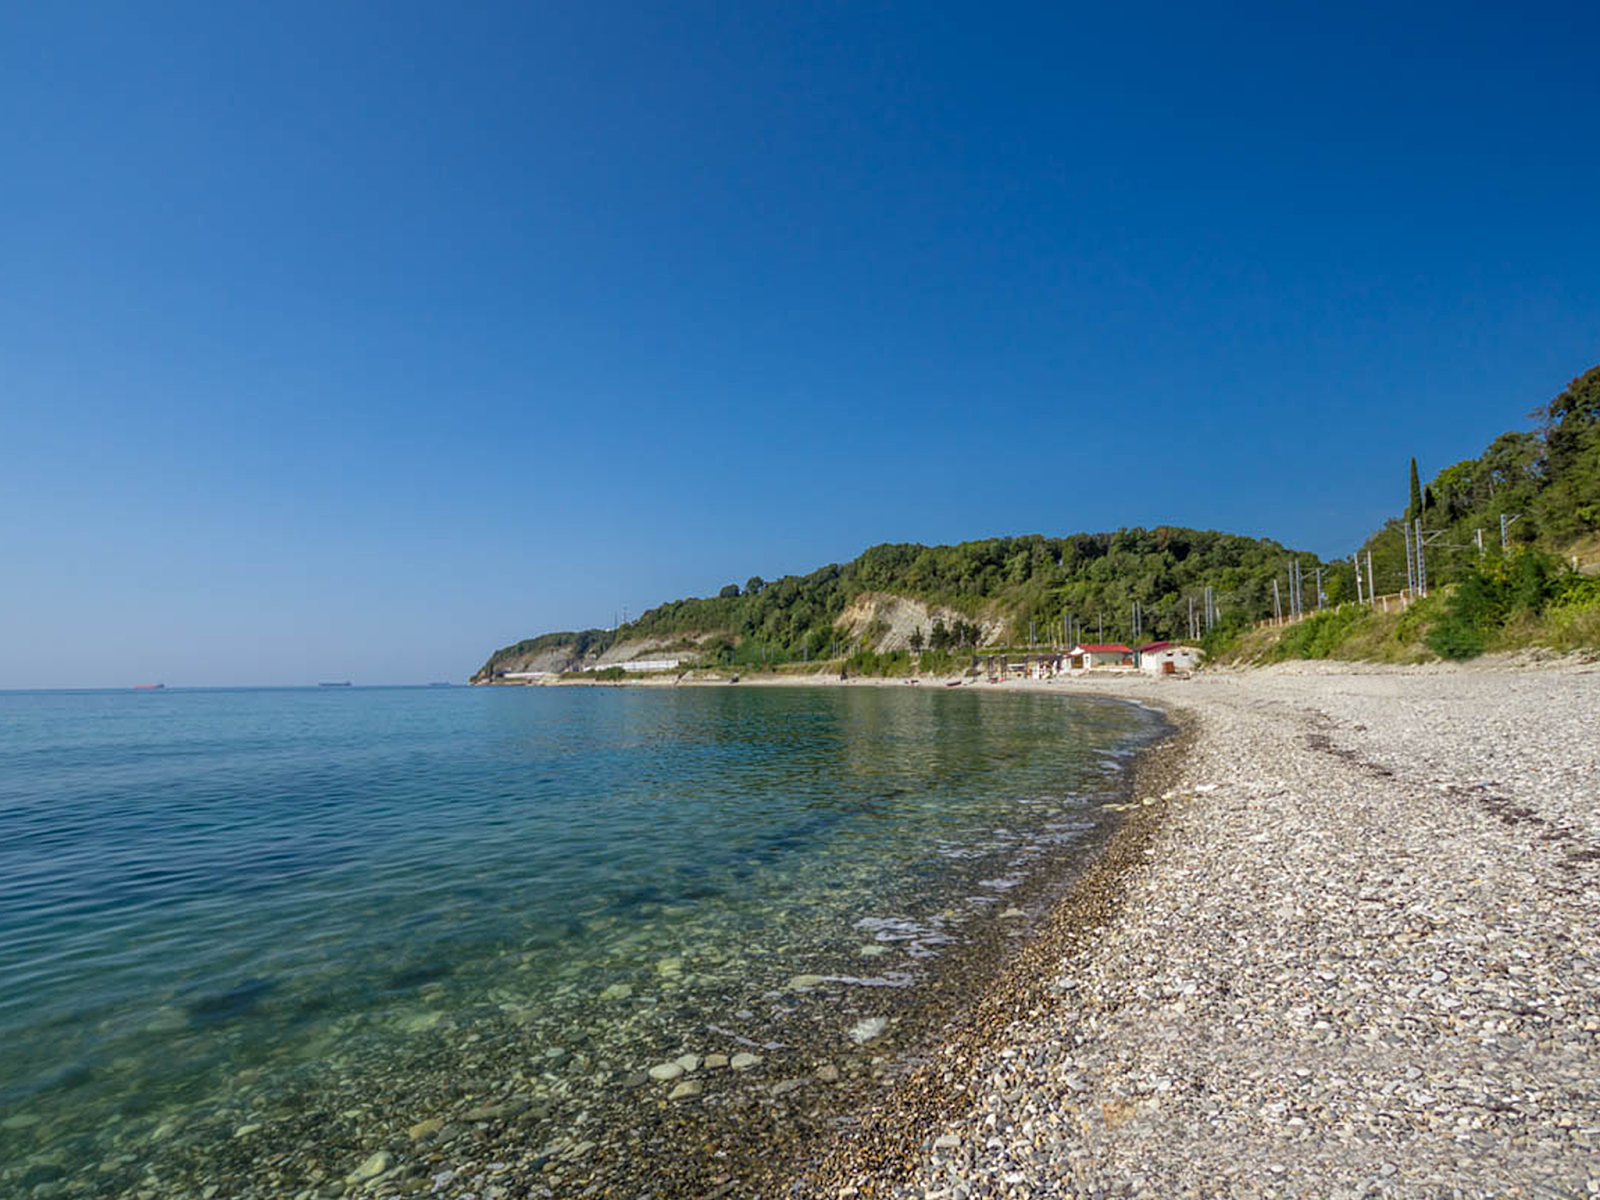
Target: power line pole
[1319, 589]
[1422, 570]
[1277, 603]
[1355, 561]
[1411, 568]
[1372, 596]
[1480, 543]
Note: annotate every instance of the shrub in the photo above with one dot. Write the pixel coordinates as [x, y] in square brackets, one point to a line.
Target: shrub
[1455, 638]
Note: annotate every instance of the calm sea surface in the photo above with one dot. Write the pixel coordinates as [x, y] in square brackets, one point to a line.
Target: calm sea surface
[253, 938]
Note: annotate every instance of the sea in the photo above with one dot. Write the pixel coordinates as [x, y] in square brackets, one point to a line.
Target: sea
[505, 942]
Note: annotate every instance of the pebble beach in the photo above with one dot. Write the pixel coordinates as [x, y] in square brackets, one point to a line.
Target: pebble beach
[1346, 945]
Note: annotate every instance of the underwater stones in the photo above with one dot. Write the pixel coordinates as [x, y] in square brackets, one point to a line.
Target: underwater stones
[425, 1129]
[873, 949]
[787, 1086]
[865, 1030]
[1013, 912]
[617, 991]
[245, 1131]
[804, 983]
[419, 1022]
[20, 1121]
[689, 1062]
[828, 1073]
[744, 1060]
[670, 967]
[715, 1062]
[374, 1166]
[685, 1090]
[497, 1112]
[665, 1071]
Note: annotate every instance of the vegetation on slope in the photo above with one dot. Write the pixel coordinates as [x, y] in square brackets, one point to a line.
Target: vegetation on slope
[1542, 488]
[1545, 483]
[1089, 582]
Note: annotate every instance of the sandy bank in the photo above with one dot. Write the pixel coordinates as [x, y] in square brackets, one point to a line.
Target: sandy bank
[1355, 953]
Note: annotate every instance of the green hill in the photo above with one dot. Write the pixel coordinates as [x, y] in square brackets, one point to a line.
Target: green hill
[975, 594]
[1035, 589]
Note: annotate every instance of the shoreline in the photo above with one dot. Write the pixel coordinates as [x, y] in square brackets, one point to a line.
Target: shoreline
[505, 1093]
[1350, 951]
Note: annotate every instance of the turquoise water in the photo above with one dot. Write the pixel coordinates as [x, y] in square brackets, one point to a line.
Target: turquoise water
[249, 938]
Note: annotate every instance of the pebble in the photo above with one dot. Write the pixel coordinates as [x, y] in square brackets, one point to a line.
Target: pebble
[665, 1071]
[423, 1129]
[1356, 958]
[744, 1060]
[868, 1028]
[689, 1087]
[374, 1166]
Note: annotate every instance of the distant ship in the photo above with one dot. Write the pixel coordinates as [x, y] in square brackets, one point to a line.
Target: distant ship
[148, 687]
[440, 685]
[341, 683]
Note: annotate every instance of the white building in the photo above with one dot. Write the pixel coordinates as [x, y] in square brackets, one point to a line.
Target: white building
[1165, 658]
[1102, 654]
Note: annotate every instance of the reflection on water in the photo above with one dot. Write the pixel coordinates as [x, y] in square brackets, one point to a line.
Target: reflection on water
[254, 938]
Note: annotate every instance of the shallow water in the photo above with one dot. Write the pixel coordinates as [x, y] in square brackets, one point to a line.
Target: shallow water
[250, 937]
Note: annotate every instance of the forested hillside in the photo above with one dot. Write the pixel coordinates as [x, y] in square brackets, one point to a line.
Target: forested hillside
[1544, 481]
[1089, 582]
[1038, 589]
[1510, 543]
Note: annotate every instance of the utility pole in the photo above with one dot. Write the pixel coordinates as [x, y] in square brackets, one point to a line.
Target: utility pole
[1277, 603]
[1372, 596]
[1479, 540]
[1100, 619]
[1505, 524]
[1355, 561]
[1411, 566]
[1319, 589]
[1193, 630]
[1422, 570]
[1211, 607]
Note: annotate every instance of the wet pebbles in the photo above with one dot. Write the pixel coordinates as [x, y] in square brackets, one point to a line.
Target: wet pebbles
[1350, 947]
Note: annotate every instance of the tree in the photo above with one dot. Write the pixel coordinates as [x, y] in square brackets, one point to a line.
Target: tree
[940, 639]
[1572, 441]
[916, 640]
[730, 592]
[753, 585]
[1414, 509]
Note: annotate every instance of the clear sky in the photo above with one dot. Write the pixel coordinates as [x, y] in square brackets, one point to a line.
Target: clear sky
[353, 341]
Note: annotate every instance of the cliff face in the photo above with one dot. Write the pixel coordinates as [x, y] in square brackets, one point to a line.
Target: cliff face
[877, 621]
[883, 621]
[555, 653]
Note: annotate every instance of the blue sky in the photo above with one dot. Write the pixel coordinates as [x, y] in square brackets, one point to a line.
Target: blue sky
[348, 341]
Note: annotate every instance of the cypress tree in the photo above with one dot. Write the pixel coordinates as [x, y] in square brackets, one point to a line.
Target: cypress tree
[1414, 510]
